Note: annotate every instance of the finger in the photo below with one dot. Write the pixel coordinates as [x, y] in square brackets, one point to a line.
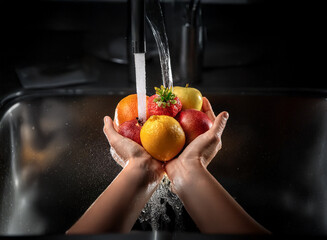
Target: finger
[109, 130]
[115, 121]
[207, 109]
[115, 126]
[220, 123]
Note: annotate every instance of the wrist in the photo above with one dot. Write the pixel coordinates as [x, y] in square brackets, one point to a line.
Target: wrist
[149, 170]
[184, 174]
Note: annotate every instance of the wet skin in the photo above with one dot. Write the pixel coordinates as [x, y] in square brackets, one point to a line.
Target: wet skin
[208, 203]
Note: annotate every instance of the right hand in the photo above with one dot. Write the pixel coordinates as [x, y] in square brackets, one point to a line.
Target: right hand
[205, 147]
[200, 152]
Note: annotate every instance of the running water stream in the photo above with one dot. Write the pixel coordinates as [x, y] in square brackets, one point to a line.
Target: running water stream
[155, 211]
[156, 21]
[140, 76]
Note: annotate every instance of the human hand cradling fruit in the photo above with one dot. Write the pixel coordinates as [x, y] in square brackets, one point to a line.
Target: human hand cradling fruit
[129, 152]
[203, 148]
[167, 128]
[210, 206]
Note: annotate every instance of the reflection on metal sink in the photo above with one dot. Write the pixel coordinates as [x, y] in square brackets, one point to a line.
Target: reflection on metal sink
[55, 160]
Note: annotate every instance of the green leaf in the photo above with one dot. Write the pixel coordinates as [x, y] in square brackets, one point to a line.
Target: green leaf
[166, 97]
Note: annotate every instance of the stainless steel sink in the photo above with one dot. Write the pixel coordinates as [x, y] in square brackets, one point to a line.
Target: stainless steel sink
[55, 159]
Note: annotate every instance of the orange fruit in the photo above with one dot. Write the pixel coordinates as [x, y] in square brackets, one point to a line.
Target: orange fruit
[126, 109]
[162, 137]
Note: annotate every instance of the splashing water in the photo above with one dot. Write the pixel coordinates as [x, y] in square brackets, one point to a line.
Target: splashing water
[140, 85]
[155, 211]
[155, 19]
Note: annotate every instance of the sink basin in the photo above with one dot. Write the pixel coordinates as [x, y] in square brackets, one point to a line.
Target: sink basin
[55, 159]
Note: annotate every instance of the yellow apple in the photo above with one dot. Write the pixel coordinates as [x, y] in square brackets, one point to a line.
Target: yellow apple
[191, 98]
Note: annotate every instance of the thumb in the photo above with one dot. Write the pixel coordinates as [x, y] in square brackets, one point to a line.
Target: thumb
[220, 123]
[109, 129]
[207, 109]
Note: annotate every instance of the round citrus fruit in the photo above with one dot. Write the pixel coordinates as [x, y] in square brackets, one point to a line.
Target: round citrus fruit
[162, 137]
[126, 109]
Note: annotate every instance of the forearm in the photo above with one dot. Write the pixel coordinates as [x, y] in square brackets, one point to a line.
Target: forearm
[210, 206]
[118, 207]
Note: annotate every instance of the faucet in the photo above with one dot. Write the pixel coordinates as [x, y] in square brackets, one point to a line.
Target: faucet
[192, 44]
[136, 33]
[137, 13]
[189, 54]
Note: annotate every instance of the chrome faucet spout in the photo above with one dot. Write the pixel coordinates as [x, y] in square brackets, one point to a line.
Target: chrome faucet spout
[137, 25]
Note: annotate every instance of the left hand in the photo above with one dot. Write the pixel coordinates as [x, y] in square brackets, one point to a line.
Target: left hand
[126, 151]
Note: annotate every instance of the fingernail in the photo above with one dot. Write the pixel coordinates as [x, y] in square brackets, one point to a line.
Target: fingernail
[226, 115]
[106, 119]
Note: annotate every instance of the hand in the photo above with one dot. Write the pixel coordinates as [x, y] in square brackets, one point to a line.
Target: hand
[201, 150]
[205, 147]
[126, 151]
[207, 109]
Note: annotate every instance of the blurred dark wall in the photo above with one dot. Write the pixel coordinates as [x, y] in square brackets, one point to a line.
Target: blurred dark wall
[289, 35]
[260, 44]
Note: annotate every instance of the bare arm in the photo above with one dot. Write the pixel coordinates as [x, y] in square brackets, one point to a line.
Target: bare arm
[208, 203]
[118, 207]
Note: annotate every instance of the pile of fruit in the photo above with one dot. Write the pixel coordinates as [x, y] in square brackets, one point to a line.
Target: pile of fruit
[174, 119]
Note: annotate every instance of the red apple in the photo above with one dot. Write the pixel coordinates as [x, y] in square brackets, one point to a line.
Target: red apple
[194, 123]
[131, 129]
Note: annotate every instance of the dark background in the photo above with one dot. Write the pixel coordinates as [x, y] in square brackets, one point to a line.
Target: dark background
[250, 44]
